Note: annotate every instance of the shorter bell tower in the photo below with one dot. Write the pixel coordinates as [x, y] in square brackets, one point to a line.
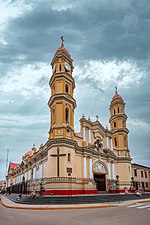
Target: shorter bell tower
[117, 121]
[61, 102]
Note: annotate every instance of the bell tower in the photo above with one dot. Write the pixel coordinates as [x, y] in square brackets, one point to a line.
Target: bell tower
[61, 102]
[117, 121]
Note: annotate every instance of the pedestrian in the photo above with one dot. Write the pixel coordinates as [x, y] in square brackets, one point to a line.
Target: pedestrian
[138, 194]
[125, 190]
[33, 194]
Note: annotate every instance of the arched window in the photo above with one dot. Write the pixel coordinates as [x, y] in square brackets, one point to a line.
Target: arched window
[114, 124]
[118, 110]
[67, 115]
[67, 88]
[59, 67]
[114, 112]
[115, 141]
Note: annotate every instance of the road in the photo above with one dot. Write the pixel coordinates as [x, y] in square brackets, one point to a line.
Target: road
[122, 215]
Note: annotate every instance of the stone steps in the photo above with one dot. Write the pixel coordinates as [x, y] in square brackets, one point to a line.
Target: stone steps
[59, 200]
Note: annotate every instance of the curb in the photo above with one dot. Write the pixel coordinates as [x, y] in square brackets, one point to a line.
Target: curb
[9, 204]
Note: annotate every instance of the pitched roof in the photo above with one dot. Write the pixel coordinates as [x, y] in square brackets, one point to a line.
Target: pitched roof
[13, 165]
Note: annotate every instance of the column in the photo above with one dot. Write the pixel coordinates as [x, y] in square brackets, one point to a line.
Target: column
[107, 142]
[91, 172]
[109, 171]
[40, 171]
[89, 136]
[34, 172]
[111, 144]
[83, 133]
[113, 171]
[84, 166]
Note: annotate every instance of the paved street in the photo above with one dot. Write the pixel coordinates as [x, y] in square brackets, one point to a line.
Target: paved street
[123, 215]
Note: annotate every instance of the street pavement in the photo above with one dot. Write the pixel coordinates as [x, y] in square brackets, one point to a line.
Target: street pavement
[135, 214]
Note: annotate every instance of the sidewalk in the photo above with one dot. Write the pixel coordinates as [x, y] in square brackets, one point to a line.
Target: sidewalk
[9, 204]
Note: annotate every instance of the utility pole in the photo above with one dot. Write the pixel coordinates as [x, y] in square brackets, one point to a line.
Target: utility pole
[7, 162]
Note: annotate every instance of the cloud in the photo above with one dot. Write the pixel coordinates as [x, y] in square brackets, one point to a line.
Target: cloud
[109, 43]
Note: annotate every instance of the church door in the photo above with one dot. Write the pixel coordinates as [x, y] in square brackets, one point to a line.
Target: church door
[100, 180]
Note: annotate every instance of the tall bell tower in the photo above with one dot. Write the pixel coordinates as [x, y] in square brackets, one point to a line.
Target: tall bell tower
[117, 121]
[61, 102]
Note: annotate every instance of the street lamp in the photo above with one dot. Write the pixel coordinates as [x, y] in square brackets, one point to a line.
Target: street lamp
[132, 181]
[117, 183]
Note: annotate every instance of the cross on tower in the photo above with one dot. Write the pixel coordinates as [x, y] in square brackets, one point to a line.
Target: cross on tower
[97, 117]
[116, 89]
[58, 155]
[62, 44]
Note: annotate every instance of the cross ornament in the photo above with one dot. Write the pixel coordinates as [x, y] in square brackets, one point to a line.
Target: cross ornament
[62, 44]
[58, 156]
[97, 117]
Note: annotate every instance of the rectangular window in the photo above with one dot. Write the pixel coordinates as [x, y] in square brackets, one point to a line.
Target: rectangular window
[141, 173]
[146, 184]
[69, 157]
[142, 184]
[145, 174]
[135, 172]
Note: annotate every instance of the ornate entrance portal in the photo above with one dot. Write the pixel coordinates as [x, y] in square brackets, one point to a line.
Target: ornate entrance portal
[100, 171]
[100, 182]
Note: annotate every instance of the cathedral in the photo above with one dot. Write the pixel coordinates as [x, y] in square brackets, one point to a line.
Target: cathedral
[94, 160]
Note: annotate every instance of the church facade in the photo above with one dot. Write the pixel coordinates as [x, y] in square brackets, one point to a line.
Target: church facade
[93, 160]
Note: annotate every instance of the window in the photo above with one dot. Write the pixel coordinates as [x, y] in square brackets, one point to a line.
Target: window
[145, 174]
[143, 185]
[114, 124]
[135, 172]
[60, 67]
[123, 123]
[146, 184]
[142, 174]
[118, 110]
[67, 114]
[125, 142]
[69, 157]
[114, 112]
[115, 141]
[67, 88]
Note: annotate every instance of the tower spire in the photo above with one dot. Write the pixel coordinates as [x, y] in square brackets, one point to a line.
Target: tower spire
[62, 43]
[115, 90]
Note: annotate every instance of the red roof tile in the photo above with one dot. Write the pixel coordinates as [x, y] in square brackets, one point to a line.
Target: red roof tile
[29, 153]
[13, 165]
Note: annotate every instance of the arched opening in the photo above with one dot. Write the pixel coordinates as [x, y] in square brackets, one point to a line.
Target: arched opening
[67, 115]
[100, 171]
[67, 88]
[60, 67]
[115, 141]
[114, 112]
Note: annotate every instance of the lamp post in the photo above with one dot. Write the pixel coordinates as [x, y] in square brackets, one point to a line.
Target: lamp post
[132, 182]
[117, 183]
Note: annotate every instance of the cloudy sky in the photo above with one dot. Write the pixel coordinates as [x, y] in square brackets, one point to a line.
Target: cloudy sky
[109, 41]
